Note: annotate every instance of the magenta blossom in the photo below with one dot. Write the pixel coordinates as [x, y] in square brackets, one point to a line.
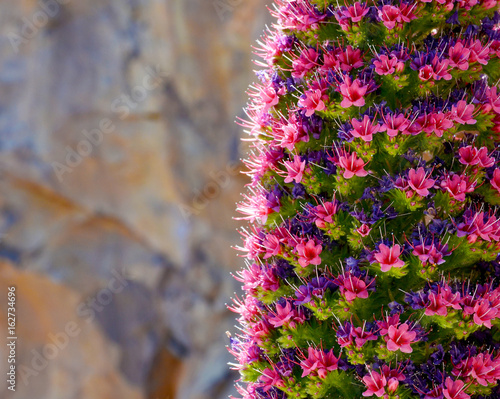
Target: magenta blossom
[270, 378]
[438, 123]
[459, 56]
[375, 383]
[284, 315]
[351, 287]
[495, 181]
[462, 113]
[385, 65]
[389, 15]
[419, 182]
[309, 253]
[364, 129]
[307, 61]
[269, 97]
[400, 338]
[324, 213]
[356, 12]
[313, 101]
[479, 53]
[389, 257]
[352, 93]
[362, 335]
[485, 161]
[363, 230]
[353, 166]
[295, 169]
[394, 124]
[454, 389]
[456, 186]
[468, 155]
[350, 59]
[319, 362]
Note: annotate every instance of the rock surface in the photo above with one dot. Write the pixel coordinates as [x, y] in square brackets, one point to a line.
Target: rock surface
[119, 163]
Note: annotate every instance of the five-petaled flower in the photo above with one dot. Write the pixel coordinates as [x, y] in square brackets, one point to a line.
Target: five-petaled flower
[309, 253]
[353, 166]
[389, 257]
[401, 338]
[319, 362]
[295, 169]
[353, 93]
[419, 181]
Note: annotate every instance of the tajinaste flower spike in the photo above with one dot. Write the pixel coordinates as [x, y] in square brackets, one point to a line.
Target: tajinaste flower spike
[373, 246]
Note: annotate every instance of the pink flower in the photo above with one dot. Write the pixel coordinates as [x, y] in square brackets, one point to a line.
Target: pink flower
[479, 53]
[288, 136]
[254, 207]
[482, 366]
[468, 155]
[376, 383]
[269, 97]
[307, 61]
[400, 338]
[350, 59]
[389, 257]
[425, 73]
[484, 313]
[488, 229]
[459, 56]
[352, 93]
[440, 68]
[419, 182]
[319, 362]
[386, 322]
[389, 16]
[462, 113]
[484, 160]
[363, 230]
[330, 60]
[454, 389]
[364, 129]
[494, 98]
[361, 335]
[269, 281]
[353, 166]
[351, 287]
[438, 123]
[394, 124]
[294, 169]
[406, 10]
[436, 305]
[272, 246]
[312, 102]
[284, 315]
[456, 186]
[324, 213]
[385, 65]
[270, 378]
[356, 12]
[309, 253]
[423, 252]
[495, 181]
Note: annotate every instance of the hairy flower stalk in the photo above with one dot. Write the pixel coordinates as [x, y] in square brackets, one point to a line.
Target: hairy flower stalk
[372, 249]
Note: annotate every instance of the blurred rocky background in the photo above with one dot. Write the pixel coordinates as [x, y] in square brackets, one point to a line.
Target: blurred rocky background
[119, 173]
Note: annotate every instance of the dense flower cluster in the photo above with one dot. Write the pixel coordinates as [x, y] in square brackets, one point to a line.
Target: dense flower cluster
[373, 245]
